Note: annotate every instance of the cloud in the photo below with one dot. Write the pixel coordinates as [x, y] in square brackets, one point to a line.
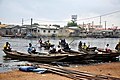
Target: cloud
[13, 11]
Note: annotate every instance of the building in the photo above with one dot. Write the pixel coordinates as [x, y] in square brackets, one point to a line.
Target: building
[47, 30]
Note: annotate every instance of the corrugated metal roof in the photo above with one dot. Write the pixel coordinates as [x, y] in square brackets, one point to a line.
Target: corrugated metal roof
[3, 25]
[48, 27]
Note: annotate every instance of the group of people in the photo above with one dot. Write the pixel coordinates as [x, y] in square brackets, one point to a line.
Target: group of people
[63, 46]
[82, 46]
[45, 44]
[107, 49]
[54, 49]
[117, 47]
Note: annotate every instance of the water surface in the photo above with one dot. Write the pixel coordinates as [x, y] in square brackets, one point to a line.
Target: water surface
[21, 45]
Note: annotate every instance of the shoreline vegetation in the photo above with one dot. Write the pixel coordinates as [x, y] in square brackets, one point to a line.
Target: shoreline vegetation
[106, 69]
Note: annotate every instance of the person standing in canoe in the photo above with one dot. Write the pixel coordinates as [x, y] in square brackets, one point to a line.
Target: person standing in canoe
[31, 49]
[40, 42]
[7, 46]
[118, 47]
[80, 46]
[66, 47]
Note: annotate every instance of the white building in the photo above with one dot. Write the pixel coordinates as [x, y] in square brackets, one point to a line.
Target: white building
[44, 30]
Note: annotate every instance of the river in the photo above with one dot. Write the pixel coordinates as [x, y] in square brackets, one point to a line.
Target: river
[21, 45]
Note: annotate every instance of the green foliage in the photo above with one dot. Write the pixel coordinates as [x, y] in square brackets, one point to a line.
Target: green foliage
[56, 25]
[72, 23]
[35, 24]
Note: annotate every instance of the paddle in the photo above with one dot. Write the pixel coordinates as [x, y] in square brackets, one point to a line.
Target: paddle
[71, 41]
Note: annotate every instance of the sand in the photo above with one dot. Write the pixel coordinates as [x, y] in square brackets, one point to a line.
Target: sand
[108, 69]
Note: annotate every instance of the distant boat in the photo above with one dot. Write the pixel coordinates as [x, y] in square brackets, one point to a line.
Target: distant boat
[29, 35]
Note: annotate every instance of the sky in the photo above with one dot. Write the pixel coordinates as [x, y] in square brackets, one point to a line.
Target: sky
[59, 11]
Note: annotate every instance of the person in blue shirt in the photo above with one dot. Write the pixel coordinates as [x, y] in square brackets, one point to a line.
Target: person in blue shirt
[31, 49]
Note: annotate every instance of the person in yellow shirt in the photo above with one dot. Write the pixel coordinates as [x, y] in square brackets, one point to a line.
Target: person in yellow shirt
[7, 46]
[84, 46]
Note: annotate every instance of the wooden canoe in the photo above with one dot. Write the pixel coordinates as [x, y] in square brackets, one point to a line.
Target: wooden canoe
[106, 56]
[35, 57]
[76, 56]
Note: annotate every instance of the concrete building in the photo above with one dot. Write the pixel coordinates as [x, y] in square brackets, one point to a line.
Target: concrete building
[47, 30]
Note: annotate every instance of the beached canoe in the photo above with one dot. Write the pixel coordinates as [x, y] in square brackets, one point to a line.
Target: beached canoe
[106, 56]
[76, 56]
[35, 57]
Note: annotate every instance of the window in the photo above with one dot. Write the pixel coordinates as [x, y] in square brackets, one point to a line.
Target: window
[38, 30]
[54, 31]
[48, 31]
[44, 31]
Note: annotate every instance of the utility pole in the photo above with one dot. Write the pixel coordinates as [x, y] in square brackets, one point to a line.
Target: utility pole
[31, 25]
[105, 25]
[100, 20]
[22, 21]
[92, 24]
[31, 22]
[83, 24]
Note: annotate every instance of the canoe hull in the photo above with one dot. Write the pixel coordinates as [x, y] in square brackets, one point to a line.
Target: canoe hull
[106, 56]
[34, 58]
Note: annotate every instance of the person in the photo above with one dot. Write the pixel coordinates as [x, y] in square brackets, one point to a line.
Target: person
[66, 47]
[40, 41]
[7, 46]
[62, 42]
[107, 49]
[47, 44]
[31, 49]
[80, 46]
[117, 47]
[52, 49]
[58, 49]
[84, 46]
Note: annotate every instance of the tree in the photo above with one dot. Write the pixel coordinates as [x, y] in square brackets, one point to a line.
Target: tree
[35, 24]
[56, 25]
[72, 23]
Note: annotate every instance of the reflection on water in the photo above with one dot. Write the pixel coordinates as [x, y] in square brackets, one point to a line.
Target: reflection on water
[21, 45]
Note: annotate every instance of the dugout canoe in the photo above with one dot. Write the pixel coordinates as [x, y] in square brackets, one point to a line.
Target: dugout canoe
[106, 56]
[47, 58]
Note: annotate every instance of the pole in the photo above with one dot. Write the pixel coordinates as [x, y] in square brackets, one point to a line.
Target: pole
[100, 20]
[31, 25]
[92, 24]
[105, 25]
[22, 21]
[31, 22]
[83, 24]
